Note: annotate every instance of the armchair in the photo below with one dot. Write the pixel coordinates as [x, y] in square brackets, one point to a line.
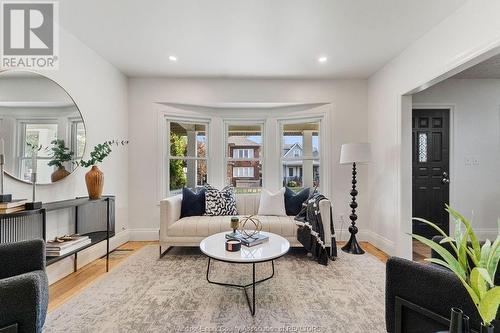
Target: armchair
[23, 286]
[419, 297]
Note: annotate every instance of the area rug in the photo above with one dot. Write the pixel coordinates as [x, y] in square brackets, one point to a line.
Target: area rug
[148, 294]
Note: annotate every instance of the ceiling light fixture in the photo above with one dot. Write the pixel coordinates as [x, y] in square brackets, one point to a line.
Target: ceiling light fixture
[172, 58]
[322, 59]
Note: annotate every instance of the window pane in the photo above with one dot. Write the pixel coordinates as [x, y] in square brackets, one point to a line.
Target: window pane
[245, 176]
[187, 173]
[80, 139]
[43, 170]
[298, 174]
[244, 141]
[187, 139]
[40, 134]
[300, 140]
[422, 147]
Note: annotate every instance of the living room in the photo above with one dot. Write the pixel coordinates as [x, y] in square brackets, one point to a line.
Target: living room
[181, 123]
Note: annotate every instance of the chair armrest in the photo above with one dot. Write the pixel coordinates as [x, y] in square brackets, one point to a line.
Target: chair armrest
[21, 257]
[170, 212]
[428, 286]
[24, 300]
[324, 209]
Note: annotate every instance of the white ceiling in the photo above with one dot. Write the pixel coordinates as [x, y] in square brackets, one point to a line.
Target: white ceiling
[488, 69]
[251, 38]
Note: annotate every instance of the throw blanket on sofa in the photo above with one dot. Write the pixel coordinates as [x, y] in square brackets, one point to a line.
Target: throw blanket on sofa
[311, 232]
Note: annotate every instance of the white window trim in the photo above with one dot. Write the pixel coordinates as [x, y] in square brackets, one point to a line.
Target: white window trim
[248, 172]
[166, 157]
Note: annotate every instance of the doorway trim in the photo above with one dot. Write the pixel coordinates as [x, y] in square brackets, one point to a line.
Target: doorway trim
[451, 107]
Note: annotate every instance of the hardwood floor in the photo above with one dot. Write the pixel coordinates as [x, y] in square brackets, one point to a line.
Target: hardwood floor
[72, 284]
[420, 251]
[64, 289]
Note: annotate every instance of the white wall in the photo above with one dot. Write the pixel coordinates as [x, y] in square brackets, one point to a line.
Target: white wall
[100, 91]
[348, 98]
[471, 31]
[475, 139]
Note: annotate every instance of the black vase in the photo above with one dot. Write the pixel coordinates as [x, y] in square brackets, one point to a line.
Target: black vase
[487, 329]
[456, 320]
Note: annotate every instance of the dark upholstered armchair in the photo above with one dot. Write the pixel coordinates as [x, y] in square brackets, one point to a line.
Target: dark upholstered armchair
[23, 286]
[419, 297]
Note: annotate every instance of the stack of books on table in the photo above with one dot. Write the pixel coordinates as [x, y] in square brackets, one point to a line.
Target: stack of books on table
[13, 206]
[249, 241]
[57, 249]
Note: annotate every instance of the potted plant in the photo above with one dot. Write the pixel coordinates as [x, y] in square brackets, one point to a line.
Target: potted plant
[474, 264]
[95, 178]
[59, 155]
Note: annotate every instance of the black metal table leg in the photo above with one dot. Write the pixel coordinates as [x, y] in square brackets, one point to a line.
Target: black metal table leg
[251, 305]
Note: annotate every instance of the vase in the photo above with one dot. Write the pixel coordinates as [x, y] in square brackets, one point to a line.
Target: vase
[95, 182]
[59, 174]
[487, 329]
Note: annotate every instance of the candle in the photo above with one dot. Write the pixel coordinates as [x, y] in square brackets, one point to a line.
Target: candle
[33, 161]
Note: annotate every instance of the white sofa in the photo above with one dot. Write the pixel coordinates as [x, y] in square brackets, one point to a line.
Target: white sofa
[189, 231]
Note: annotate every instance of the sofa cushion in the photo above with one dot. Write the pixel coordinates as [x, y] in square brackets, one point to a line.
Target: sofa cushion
[193, 204]
[220, 202]
[272, 203]
[294, 201]
[203, 226]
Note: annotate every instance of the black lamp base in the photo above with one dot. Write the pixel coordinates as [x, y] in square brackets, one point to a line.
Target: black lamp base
[5, 197]
[33, 205]
[352, 246]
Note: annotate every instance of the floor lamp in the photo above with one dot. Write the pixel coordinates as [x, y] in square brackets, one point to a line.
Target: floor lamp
[354, 153]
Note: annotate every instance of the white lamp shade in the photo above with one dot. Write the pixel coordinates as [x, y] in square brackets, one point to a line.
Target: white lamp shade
[355, 153]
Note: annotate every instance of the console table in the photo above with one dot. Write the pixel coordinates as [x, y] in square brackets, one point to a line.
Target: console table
[93, 218]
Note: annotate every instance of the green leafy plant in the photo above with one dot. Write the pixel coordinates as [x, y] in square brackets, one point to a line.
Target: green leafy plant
[178, 146]
[100, 152]
[59, 153]
[478, 277]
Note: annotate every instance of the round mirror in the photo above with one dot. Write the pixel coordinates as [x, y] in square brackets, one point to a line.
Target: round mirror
[37, 114]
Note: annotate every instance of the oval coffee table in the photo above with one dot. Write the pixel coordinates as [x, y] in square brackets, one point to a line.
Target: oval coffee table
[214, 248]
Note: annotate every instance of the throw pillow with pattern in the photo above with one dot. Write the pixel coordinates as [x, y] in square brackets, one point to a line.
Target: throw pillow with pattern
[220, 202]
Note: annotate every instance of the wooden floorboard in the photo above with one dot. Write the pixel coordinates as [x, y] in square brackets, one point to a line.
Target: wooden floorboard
[64, 289]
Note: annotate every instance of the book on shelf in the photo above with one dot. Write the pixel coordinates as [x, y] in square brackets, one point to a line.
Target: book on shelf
[53, 251]
[249, 241]
[11, 210]
[13, 204]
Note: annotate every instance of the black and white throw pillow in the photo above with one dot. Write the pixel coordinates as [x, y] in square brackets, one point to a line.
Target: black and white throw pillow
[221, 202]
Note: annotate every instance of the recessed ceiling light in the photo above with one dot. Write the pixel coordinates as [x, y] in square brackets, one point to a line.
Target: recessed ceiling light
[172, 58]
[322, 59]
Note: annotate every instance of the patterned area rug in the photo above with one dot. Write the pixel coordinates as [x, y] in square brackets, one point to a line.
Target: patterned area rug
[147, 294]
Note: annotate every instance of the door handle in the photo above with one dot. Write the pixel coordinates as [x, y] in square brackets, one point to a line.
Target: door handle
[446, 178]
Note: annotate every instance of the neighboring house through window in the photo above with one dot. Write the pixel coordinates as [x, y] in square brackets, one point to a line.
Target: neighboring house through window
[300, 158]
[244, 156]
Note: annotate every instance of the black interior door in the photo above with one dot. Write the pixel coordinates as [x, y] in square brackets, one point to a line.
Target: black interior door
[430, 175]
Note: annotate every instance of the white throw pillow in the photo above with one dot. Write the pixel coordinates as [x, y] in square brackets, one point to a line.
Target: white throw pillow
[272, 203]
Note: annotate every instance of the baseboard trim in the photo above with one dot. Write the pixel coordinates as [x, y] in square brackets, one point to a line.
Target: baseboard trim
[143, 234]
[382, 243]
